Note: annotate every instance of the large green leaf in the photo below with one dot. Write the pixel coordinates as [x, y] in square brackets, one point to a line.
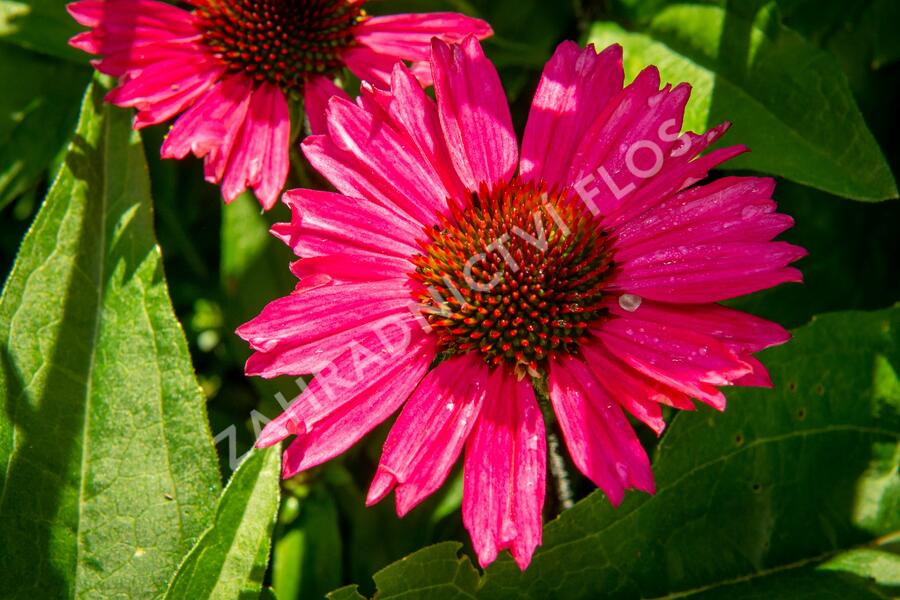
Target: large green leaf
[108, 469]
[37, 115]
[761, 501]
[789, 101]
[230, 560]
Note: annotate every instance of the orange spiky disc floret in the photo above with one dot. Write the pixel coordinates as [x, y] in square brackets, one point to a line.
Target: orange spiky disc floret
[516, 274]
[282, 41]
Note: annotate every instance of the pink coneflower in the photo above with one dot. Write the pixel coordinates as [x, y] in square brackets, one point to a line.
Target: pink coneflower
[589, 265]
[231, 66]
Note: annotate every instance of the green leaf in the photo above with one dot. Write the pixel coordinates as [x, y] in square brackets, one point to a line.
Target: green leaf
[765, 78]
[881, 566]
[348, 592]
[42, 26]
[433, 572]
[108, 468]
[230, 560]
[308, 557]
[37, 116]
[749, 503]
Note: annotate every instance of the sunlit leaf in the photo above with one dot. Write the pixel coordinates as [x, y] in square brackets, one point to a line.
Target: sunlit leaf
[230, 560]
[788, 100]
[108, 468]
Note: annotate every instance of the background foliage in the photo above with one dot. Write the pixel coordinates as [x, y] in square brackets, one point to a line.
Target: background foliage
[126, 275]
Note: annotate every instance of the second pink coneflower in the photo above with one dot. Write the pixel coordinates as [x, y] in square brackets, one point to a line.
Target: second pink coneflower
[229, 68]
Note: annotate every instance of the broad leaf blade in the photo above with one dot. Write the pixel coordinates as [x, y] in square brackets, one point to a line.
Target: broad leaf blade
[749, 503]
[788, 100]
[230, 560]
[109, 473]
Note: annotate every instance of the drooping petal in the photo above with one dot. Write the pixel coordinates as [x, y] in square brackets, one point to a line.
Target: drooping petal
[686, 360]
[710, 272]
[368, 65]
[128, 34]
[294, 334]
[505, 470]
[430, 432]
[474, 114]
[327, 223]
[637, 394]
[204, 128]
[575, 88]
[259, 159]
[369, 387]
[165, 88]
[154, 48]
[408, 36]
[317, 91]
[385, 40]
[599, 438]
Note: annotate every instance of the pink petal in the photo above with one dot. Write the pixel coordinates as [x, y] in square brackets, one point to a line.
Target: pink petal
[576, 86]
[341, 405]
[294, 335]
[683, 168]
[637, 394]
[204, 127]
[348, 267]
[430, 432]
[712, 272]
[259, 158]
[317, 91]
[600, 440]
[370, 66]
[165, 88]
[127, 31]
[738, 330]
[416, 114]
[412, 182]
[325, 223]
[474, 114]
[408, 36]
[505, 469]
[627, 144]
[127, 15]
[683, 359]
[732, 209]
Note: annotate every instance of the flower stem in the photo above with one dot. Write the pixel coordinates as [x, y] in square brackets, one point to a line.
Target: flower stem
[560, 473]
[561, 480]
